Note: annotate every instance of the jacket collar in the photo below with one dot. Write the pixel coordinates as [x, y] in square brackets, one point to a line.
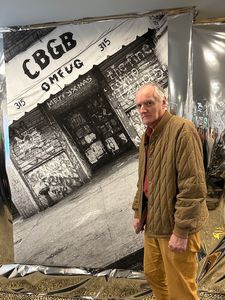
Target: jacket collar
[159, 127]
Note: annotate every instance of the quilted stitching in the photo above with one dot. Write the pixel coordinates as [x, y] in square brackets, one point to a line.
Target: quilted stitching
[177, 189]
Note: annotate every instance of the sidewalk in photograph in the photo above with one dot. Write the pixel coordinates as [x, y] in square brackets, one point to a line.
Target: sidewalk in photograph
[90, 228]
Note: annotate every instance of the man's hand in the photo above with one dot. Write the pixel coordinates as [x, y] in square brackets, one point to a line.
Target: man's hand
[177, 244]
[137, 225]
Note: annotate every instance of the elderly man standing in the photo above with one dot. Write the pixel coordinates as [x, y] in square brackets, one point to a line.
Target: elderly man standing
[171, 185]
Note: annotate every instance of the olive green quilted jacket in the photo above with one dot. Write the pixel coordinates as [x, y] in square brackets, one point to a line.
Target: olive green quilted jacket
[177, 189]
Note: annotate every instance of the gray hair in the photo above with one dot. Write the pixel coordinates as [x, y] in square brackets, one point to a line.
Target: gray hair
[159, 91]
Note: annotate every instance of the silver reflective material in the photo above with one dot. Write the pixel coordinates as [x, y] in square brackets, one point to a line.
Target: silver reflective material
[197, 92]
[209, 93]
[208, 87]
[179, 58]
[213, 260]
[75, 283]
[6, 230]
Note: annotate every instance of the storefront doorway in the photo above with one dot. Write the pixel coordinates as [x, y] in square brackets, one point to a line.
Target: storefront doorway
[96, 130]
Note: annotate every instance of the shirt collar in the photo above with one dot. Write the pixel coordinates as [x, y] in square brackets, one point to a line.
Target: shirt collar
[159, 127]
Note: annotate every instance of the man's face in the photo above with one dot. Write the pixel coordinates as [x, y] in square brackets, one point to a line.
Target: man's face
[150, 106]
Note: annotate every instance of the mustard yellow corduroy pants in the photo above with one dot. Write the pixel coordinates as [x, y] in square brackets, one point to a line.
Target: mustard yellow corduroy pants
[172, 276]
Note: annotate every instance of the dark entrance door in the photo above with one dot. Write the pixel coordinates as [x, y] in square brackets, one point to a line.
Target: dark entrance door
[97, 131]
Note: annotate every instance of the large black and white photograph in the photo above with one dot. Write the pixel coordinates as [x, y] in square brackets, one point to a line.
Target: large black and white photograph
[74, 133]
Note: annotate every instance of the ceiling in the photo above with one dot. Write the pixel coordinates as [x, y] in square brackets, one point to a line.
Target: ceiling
[25, 12]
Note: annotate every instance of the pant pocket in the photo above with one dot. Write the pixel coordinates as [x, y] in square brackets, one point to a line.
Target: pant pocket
[194, 242]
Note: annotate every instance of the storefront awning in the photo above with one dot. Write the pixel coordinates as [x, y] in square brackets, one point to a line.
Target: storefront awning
[61, 57]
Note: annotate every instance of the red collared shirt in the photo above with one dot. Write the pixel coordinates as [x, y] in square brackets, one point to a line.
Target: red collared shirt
[149, 131]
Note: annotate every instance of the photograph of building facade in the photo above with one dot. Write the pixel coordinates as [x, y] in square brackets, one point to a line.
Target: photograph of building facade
[73, 122]
[58, 145]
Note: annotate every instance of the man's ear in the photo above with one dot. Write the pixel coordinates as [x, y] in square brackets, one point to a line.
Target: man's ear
[164, 104]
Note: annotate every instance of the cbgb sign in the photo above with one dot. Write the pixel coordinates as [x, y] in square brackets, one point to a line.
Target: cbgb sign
[56, 60]
[56, 49]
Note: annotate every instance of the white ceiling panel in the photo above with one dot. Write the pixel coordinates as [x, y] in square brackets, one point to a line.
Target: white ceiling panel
[25, 12]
